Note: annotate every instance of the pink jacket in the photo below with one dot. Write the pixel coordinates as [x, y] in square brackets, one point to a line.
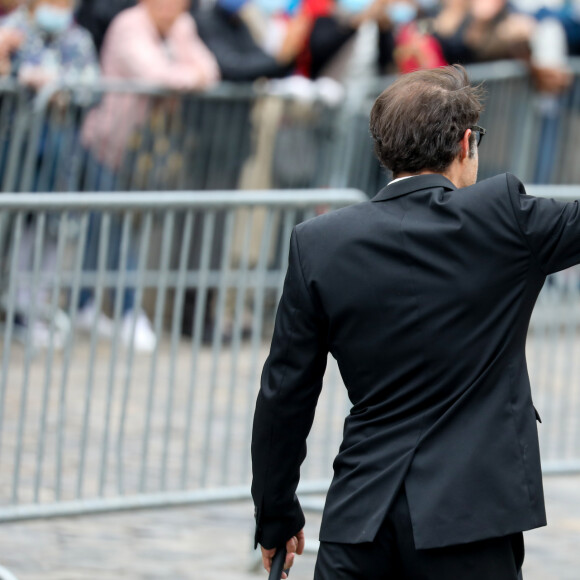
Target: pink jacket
[134, 50]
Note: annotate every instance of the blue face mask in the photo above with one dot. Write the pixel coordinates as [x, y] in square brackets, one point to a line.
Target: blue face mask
[271, 7]
[232, 6]
[51, 19]
[401, 13]
[354, 6]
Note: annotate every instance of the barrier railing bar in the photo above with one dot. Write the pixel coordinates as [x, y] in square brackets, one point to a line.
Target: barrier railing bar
[144, 501]
[62, 232]
[151, 278]
[164, 200]
[289, 221]
[258, 317]
[17, 142]
[141, 261]
[68, 352]
[37, 263]
[148, 408]
[240, 297]
[560, 192]
[157, 325]
[119, 299]
[225, 269]
[196, 339]
[569, 387]
[178, 302]
[8, 331]
[100, 231]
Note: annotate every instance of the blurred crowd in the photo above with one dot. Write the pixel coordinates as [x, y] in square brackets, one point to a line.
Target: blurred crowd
[192, 45]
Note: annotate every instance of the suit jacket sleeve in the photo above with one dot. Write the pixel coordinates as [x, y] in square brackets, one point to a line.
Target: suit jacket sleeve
[550, 228]
[290, 386]
[238, 56]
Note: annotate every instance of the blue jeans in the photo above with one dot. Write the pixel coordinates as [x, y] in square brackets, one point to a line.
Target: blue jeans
[105, 180]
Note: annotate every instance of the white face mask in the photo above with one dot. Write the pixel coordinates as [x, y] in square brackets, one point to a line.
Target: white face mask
[52, 19]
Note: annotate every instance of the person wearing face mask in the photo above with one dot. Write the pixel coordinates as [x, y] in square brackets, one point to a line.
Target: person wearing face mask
[415, 48]
[47, 45]
[155, 42]
[40, 44]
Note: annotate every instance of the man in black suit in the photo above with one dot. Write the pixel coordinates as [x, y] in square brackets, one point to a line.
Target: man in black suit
[423, 295]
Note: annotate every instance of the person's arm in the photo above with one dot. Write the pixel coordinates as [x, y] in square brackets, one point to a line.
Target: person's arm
[235, 64]
[550, 228]
[248, 67]
[10, 41]
[296, 38]
[290, 386]
[192, 51]
[141, 56]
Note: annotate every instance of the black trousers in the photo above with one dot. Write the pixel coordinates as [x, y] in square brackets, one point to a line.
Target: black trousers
[392, 556]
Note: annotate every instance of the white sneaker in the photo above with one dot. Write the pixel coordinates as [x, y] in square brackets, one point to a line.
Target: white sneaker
[89, 317]
[144, 339]
[40, 336]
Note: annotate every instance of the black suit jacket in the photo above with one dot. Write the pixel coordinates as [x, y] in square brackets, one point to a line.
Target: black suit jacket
[238, 55]
[423, 295]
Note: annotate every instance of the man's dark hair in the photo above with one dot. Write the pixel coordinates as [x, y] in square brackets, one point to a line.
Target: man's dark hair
[418, 122]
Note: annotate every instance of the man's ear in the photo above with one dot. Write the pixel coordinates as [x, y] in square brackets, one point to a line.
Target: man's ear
[466, 145]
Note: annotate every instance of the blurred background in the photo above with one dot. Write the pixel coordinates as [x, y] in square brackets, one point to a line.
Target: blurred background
[154, 157]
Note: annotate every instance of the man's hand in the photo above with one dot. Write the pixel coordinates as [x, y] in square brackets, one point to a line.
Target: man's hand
[36, 77]
[294, 545]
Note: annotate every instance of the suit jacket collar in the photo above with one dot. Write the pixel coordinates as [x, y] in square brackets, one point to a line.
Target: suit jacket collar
[415, 183]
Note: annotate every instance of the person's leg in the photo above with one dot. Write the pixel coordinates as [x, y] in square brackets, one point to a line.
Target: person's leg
[368, 561]
[106, 180]
[114, 259]
[498, 558]
[90, 258]
[136, 328]
[376, 560]
[101, 179]
[495, 558]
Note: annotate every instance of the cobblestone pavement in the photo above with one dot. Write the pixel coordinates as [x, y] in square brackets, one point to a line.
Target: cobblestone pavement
[203, 542]
[211, 542]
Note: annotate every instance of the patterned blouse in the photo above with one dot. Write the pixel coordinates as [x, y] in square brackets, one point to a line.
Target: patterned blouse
[70, 56]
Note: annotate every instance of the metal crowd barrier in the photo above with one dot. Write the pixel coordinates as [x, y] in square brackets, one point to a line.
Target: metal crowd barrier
[15, 106]
[551, 137]
[121, 136]
[87, 422]
[552, 354]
